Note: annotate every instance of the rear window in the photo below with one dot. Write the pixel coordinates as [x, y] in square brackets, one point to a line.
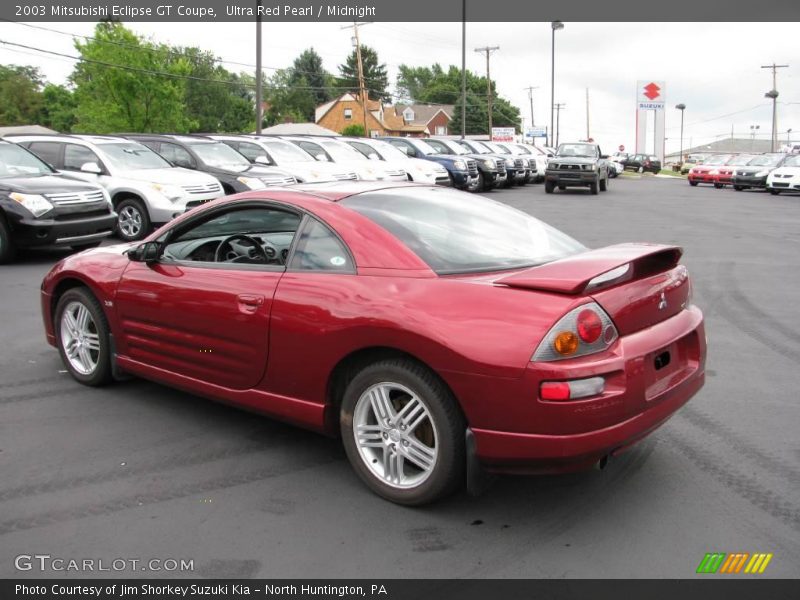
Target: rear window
[455, 232]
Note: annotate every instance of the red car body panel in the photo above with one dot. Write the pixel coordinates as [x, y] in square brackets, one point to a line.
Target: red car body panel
[270, 341]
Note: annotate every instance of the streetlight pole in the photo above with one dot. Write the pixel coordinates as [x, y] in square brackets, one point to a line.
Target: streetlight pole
[681, 107]
[554, 26]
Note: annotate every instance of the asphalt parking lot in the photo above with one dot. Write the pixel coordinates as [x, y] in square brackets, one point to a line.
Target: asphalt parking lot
[137, 470]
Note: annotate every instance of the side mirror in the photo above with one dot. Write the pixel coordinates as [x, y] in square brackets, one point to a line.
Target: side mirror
[91, 167]
[149, 252]
[261, 160]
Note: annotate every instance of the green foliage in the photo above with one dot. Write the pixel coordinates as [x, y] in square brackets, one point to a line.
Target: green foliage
[376, 79]
[20, 95]
[307, 68]
[133, 99]
[437, 86]
[355, 130]
[288, 103]
[58, 108]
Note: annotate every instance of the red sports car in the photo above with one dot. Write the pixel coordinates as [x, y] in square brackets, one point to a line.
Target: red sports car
[711, 171]
[438, 333]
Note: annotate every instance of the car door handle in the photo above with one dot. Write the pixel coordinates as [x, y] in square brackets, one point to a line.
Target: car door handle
[250, 302]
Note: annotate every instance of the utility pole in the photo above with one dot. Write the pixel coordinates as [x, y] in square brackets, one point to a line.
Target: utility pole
[773, 95]
[362, 92]
[530, 89]
[558, 108]
[463, 69]
[588, 136]
[488, 50]
[554, 26]
[259, 84]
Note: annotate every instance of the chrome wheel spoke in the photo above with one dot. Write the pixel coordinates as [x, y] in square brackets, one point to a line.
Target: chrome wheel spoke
[392, 465]
[82, 319]
[71, 323]
[369, 436]
[86, 359]
[72, 349]
[420, 454]
[92, 341]
[381, 404]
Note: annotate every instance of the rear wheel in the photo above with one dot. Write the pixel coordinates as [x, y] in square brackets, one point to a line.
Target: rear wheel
[403, 432]
[82, 337]
[133, 222]
[549, 186]
[8, 249]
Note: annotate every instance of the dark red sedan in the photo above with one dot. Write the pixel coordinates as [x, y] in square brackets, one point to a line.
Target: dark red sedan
[438, 333]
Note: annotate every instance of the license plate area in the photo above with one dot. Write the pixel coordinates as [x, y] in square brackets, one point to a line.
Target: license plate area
[667, 367]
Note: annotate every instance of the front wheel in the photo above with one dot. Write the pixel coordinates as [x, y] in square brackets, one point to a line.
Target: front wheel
[549, 187]
[133, 222]
[693, 183]
[719, 186]
[82, 337]
[774, 192]
[7, 247]
[594, 188]
[738, 188]
[403, 432]
[604, 184]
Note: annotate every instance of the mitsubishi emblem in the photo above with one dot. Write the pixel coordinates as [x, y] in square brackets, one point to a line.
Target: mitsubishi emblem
[662, 303]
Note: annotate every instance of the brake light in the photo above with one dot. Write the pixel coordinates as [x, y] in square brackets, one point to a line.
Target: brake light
[559, 391]
[584, 330]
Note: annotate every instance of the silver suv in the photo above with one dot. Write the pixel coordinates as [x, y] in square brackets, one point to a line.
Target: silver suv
[145, 189]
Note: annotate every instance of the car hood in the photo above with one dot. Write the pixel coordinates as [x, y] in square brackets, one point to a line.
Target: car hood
[795, 171]
[169, 176]
[574, 160]
[45, 184]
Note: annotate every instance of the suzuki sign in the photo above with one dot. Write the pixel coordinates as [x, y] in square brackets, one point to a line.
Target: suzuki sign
[650, 95]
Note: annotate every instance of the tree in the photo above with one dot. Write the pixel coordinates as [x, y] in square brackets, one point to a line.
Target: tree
[477, 116]
[354, 129]
[287, 102]
[58, 108]
[126, 83]
[308, 68]
[20, 95]
[376, 79]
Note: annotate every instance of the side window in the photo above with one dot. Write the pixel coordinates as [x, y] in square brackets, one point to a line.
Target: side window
[252, 151]
[439, 146]
[49, 152]
[404, 147]
[318, 249]
[313, 149]
[240, 235]
[363, 148]
[177, 155]
[76, 156]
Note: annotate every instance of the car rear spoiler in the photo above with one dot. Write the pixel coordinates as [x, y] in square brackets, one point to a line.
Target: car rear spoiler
[596, 269]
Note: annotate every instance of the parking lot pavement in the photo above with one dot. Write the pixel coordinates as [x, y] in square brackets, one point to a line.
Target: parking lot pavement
[141, 471]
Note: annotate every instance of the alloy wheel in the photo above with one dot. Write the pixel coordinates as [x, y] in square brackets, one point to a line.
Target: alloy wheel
[80, 338]
[130, 221]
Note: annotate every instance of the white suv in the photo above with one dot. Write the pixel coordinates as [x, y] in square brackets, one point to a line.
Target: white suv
[144, 188]
[424, 171]
[332, 150]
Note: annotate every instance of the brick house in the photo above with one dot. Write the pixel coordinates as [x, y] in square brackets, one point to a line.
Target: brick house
[434, 117]
[347, 110]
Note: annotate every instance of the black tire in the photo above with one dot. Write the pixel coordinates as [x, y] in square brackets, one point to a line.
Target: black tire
[562, 187]
[82, 247]
[101, 374]
[693, 183]
[447, 474]
[774, 192]
[594, 188]
[604, 184]
[481, 185]
[139, 226]
[8, 250]
[719, 186]
[640, 170]
[738, 188]
[549, 186]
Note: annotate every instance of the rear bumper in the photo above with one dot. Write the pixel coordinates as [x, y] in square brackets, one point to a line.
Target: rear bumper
[572, 435]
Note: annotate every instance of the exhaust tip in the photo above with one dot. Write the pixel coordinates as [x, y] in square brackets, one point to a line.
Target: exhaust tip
[602, 463]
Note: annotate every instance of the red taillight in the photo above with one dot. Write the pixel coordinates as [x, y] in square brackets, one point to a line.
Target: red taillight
[589, 326]
[554, 390]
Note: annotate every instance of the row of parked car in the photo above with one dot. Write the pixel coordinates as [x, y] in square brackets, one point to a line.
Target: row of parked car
[775, 172]
[75, 190]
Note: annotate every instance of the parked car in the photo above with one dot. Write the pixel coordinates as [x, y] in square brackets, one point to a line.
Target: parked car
[691, 161]
[272, 151]
[463, 172]
[422, 171]
[708, 171]
[642, 163]
[40, 207]
[786, 177]
[479, 148]
[387, 314]
[532, 173]
[491, 170]
[519, 173]
[579, 164]
[145, 189]
[200, 153]
[756, 171]
[615, 169]
[347, 157]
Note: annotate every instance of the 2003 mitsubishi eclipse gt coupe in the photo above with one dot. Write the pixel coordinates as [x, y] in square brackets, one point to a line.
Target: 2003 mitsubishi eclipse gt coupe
[438, 333]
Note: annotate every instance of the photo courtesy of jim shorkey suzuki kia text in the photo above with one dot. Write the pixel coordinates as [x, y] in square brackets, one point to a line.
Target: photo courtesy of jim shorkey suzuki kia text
[405, 300]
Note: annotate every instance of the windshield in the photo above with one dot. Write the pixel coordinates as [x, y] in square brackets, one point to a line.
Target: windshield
[454, 236]
[386, 150]
[449, 147]
[133, 156]
[423, 146]
[794, 161]
[482, 148]
[342, 152]
[221, 156]
[495, 148]
[283, 152]
[767, 160]
[742, 159]
[717, 160]
[16, 162]
[584, 150]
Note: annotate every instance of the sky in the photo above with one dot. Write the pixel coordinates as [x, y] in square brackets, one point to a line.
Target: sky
[712, 68]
